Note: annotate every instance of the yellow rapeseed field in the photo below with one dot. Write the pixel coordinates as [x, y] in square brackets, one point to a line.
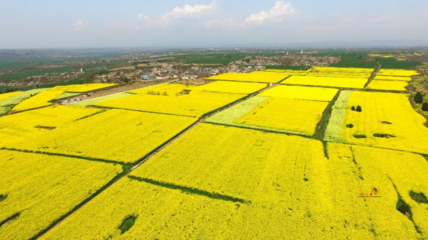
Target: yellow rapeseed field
[43, 99]
[231, 87]
[392, 78]
[356, 172]
[217, 86]
[194, 104]
[250, 188]
[6, 95]
[288, 71]
[298, 116]
[265, 77]
[343, 69]
[106, 135]
[21, 126]
[255, 166]
[388, 85]
[81, 88]
[387, 120]
[40, 100]
[342, 82]
[398, 72]
[39, 189]
[171, 89]
[301, 93]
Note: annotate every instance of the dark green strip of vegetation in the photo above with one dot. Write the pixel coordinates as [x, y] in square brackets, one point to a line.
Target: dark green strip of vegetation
[64, 155]
[418, 197]
[3, 197]
[325, 119]
[189, 190]
[11, 218]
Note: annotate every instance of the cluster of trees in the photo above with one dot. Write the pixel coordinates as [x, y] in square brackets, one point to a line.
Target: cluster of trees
[419, 99]
[10, 90]
[358, 108]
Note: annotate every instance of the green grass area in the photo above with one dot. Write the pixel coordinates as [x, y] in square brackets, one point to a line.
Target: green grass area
[395, 64]
[419, 84]
[35, 72]
[334, 129]
[218, 58]
[355, 64]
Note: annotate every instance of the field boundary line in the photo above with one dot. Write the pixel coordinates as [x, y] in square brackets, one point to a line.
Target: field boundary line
[374, 73]
[190, 190]
[64, 155]
[325, 118]
[136, 110]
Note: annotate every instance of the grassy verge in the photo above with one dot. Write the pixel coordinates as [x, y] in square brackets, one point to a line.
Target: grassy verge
[334, 130]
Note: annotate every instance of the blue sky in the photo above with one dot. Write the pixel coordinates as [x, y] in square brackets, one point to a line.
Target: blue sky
[143, 23]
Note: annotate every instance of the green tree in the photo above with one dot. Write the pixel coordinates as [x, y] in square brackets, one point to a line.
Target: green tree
[425, 106]
[419, 98]
[359, 108]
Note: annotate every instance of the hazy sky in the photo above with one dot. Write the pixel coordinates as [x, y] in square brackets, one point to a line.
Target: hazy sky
[135, 23]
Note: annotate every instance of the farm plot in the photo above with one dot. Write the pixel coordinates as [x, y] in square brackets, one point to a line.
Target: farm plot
[43, 99]
[341, 72]
[20, 126]
[301, 93]
[254, 166]
[7, 95]
[281, 109]
[158, 212]
[264, 77]
[106, 135]
[289, 72]
[297, 116]
[392, 78]
[194, 104]
[80, 88]
[252, 186]
[386, 120]
[36, 190]
[398, 72]
[375, 187]
[342, 82]
[94, 101]
[388, 85]
[17, 98]
[231, 87]
[217, 86]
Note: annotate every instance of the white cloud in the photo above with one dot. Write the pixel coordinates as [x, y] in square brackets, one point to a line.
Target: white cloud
[187, 10]
[177, 13]
[78, 25]
[274, 15]
[144, 19]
